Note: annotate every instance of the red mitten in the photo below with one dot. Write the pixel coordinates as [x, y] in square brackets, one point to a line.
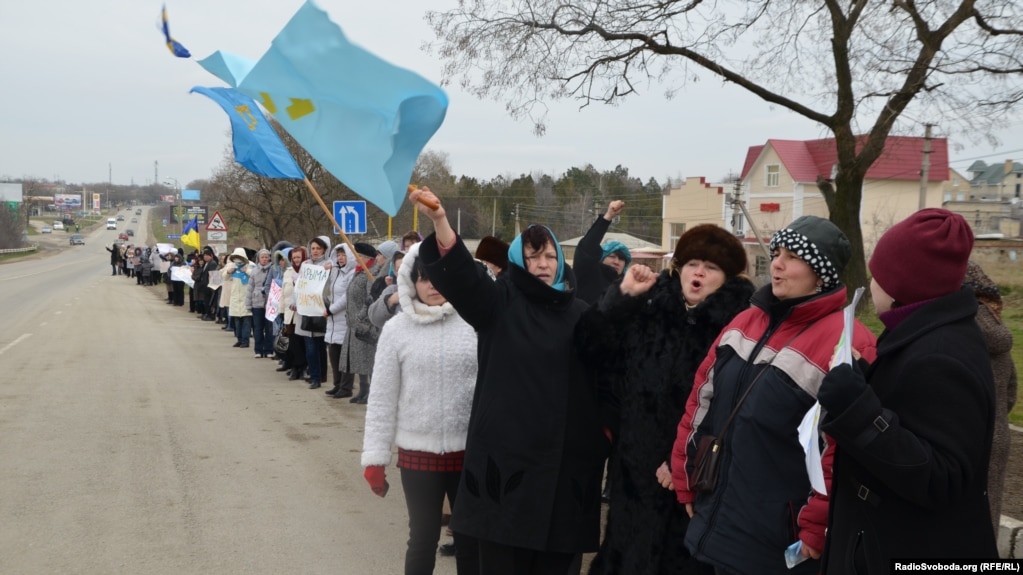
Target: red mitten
[377, 479]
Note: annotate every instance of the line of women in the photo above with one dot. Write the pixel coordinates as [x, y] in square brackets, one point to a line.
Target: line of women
[693, 352]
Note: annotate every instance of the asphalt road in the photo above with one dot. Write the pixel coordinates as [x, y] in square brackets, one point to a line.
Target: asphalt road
[135, 439]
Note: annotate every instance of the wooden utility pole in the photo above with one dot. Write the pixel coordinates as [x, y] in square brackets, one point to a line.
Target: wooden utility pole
[925, 166]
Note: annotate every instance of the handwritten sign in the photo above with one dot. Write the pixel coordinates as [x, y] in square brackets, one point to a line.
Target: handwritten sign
[216, 280]
[182, 274]
[309, 290]
[273, 300]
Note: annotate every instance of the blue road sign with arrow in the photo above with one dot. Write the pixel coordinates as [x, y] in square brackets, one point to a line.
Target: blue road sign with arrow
[351, 216]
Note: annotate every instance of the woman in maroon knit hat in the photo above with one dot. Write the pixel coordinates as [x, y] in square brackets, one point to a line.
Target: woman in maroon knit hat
[914, 428]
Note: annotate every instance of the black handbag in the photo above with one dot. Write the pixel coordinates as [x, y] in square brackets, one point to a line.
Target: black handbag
[281, 343]
[314, 323]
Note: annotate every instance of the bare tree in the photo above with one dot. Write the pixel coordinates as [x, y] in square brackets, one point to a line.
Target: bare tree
[854, 67]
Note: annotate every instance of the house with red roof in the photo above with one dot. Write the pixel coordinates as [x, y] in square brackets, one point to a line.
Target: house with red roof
[779, 182]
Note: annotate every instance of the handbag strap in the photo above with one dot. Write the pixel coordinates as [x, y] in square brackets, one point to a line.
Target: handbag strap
[735, 410]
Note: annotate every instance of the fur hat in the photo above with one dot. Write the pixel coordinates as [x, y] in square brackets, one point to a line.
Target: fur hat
[819, 243]
[711, 243]
[493, 250]
[365, 250]
[923, 257]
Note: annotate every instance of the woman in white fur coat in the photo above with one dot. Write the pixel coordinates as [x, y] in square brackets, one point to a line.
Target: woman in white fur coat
[424, 376]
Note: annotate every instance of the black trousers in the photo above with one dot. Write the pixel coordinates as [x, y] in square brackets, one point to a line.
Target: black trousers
[499, 559]
[346, 381]
[424, 499]
[296, 351]
[179, 293]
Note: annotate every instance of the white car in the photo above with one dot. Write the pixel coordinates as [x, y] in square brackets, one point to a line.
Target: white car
[46, 230]
[58, 225]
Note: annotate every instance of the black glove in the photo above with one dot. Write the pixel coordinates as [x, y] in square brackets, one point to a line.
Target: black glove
[842, 386]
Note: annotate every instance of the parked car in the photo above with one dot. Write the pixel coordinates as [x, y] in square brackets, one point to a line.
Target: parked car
[46, 230]
[130, 232]
[58, 225]
[122, 236]
[76, 240]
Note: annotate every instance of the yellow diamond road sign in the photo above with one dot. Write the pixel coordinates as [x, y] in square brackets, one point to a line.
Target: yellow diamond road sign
[216, 223]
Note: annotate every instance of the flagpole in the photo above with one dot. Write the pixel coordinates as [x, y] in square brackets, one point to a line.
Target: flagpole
[344, 238]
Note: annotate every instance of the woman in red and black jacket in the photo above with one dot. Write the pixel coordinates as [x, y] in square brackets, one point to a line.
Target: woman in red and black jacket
[781, 346]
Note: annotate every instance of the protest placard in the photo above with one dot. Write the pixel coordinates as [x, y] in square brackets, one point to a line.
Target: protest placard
[273, 300]
[309, 290]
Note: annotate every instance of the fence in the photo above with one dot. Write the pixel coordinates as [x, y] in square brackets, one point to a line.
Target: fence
[30, 248]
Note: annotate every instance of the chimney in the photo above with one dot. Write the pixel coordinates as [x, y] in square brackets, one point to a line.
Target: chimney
[1008, 167]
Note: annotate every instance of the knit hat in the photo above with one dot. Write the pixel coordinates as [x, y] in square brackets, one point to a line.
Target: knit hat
[388, 248]
[710, 243]
[493, 250]
[819, 243]
[613, 247]
[923, 257]
[208, 251]
[365, 250]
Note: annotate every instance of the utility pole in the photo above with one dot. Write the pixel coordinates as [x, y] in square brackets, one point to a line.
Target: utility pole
[493, 221]
[752, 226]
[736, 198]
[518, 227]
[926, 166]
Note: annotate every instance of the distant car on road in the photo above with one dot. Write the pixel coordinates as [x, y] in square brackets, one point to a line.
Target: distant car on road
[130, 232]
[76, 240]
[46, 230]
[120, 217]
[138, 212]
[122, 236]
[134, 220]
[58, 225]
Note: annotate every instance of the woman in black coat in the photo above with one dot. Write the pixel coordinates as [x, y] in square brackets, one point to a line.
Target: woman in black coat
[914, 428]
[530, 488]
[648, 336]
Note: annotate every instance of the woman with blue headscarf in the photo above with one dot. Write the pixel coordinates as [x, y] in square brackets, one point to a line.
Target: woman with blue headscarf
[530, 488]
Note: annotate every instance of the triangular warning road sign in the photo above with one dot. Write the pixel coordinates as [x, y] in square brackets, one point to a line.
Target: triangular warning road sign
[216, 223]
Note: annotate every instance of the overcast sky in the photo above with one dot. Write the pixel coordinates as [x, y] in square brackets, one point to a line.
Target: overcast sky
[87, 86]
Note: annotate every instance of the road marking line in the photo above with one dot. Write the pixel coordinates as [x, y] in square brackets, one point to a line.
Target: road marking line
[14, 343]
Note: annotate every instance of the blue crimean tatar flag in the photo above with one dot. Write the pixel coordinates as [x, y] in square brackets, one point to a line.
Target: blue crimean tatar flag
[173, 45]
[190, 233]
[256, 145]
[365, 120]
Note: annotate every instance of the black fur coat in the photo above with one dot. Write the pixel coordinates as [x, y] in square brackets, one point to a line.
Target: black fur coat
[650, 347]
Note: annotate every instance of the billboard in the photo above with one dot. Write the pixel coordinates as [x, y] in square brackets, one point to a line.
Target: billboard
[11, 193]
[95, 202]
[190, 195]
[179, 214]
[67, 200]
